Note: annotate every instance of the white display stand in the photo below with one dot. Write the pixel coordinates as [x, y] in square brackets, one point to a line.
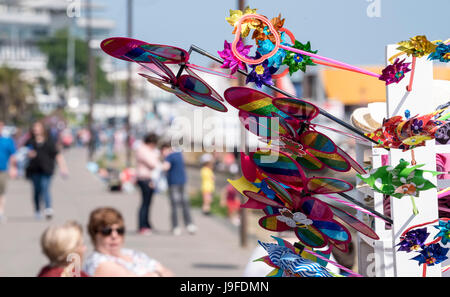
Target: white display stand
[380, 258]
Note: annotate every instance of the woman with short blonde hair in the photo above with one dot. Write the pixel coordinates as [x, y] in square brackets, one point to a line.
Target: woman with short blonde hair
[64, 247]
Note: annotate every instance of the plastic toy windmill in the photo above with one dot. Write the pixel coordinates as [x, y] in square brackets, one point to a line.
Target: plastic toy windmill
[287, 197]
[296, 134]
[274, 49]
[400, 133]
[290, 261]
[400, 181]
[153, 57]
[431, 253]
[419, 46]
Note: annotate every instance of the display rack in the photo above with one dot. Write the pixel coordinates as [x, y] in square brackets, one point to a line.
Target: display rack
[380, 257]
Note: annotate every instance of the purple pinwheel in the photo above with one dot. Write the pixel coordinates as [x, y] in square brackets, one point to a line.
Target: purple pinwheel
[444, 231]
[417, 126]
[414, 240]
[230, 60]
[396, 72]
[432, 254]
[261, 73]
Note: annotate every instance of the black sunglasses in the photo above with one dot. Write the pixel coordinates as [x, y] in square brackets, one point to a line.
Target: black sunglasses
[108, 231]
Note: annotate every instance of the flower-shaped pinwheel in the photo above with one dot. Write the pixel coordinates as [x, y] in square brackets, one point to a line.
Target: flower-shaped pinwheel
[417, 46]
[262, 32]
[400, 180]
[296, 61]
[287, 263]
[230, 60]
[442, 53]
[246, 26]
[444, 231]
[395, 72]
[399, 133]
[266, 46]
[414, 240]
[261, 73]
[432, 254]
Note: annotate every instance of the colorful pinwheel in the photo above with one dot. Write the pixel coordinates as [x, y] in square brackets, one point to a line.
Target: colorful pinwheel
[414, 240]
[400, 180]
[399, 133]
[287, 198]
[288, 263]
[190, 88]
[230, 60]
[288, 121]
[444, 231]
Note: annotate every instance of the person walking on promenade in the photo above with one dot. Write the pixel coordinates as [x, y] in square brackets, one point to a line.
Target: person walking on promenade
[176, 181]
[43, 155]
[147, 161]
[7, 163]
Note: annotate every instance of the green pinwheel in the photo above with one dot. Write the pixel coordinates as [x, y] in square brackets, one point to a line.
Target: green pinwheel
[400, 180]
[297, 62]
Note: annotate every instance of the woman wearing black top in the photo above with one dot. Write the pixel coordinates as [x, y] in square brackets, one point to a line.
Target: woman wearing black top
[43, 155]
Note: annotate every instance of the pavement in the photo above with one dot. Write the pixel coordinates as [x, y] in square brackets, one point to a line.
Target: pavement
[213, 251]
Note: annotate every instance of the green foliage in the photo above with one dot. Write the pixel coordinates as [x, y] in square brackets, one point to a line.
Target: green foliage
[216, 209]
[15, 93]
[55, 47]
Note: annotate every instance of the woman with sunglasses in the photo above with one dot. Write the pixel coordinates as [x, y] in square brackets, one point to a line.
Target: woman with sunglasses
[107, 231]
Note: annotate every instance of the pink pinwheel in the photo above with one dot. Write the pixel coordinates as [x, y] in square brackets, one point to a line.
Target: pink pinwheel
[396, 72]
[230, 60]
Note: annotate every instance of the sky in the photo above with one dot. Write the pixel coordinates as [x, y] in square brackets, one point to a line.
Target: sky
[339, 29]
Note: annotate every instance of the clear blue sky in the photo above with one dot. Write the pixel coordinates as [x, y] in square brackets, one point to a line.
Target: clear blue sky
[338, 29]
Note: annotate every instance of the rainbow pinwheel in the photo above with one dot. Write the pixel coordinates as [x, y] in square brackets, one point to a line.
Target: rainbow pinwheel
[287, 123]
[287, 262]
[286, 196]
[190, 88]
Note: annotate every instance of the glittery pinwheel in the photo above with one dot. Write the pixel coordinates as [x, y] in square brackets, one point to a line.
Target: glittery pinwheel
[414, 240]
[261, 73]
[395, 72]
[442, 53]
[432, 254]
[417, 46]
[266, 46]
[262, 32]
[234, 17]
[230, 60]
[297, 62]
[400, 180]
[444, 231]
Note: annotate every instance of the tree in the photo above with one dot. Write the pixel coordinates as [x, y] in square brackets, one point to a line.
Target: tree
[15, 95]
[55, 47]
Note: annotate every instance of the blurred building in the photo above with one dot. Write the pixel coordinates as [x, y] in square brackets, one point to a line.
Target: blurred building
[24, 22]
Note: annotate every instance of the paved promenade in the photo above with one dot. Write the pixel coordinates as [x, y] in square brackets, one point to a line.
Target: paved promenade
[213, 251]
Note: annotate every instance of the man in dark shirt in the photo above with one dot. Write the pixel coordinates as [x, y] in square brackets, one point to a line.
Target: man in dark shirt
[176, 180]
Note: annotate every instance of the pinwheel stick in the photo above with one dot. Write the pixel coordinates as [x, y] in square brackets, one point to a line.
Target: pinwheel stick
[321, 111]
[411, 79]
